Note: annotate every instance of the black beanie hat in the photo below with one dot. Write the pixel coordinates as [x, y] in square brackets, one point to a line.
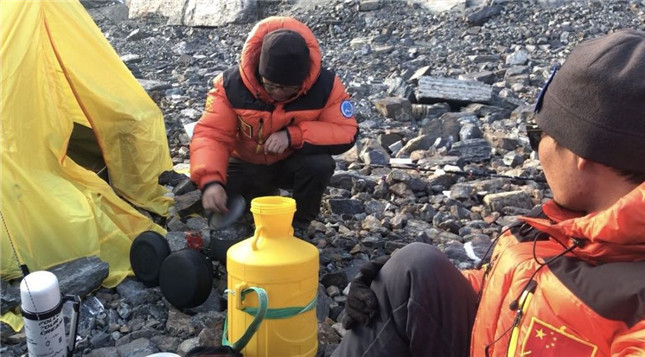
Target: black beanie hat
[595, 104]
[284, 58]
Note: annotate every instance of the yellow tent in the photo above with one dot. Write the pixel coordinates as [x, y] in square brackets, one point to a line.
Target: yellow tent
[59, 74]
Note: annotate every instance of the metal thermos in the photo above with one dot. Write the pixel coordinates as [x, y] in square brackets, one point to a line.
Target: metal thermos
[41, 307]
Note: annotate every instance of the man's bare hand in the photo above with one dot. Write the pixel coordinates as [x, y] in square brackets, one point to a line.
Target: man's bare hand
[277, 143]
[214, 199]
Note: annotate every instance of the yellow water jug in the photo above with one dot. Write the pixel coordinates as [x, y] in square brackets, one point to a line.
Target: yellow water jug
[286, 268]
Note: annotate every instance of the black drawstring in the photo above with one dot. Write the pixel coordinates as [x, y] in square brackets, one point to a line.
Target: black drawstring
[490, 246]
[577, 243]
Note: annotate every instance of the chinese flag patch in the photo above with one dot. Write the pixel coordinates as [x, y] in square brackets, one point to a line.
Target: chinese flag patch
[544, 340]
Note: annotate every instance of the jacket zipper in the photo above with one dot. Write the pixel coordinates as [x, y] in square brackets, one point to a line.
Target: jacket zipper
[258, 148]
[523, 305]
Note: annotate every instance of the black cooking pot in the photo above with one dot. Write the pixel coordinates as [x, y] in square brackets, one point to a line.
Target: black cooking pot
[148, 251]
[186, 278]
[222, 239]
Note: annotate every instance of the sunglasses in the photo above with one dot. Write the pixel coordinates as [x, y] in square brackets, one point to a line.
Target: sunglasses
[275, 86]
[535, 136]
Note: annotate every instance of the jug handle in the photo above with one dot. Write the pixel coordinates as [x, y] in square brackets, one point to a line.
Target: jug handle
[256, 237]
[238, 294]
[73, 326]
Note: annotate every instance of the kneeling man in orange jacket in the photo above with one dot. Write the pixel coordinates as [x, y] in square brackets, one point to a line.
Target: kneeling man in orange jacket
[273, 122]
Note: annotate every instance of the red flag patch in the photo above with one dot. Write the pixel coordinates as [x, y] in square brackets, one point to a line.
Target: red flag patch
[544, 340]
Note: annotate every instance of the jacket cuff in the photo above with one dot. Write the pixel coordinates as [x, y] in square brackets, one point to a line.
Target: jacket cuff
[207, 185]
[205, 180]
[295, 136]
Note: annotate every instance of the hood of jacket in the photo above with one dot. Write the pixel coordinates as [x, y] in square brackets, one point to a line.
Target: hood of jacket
[614, 234]
[250, 56]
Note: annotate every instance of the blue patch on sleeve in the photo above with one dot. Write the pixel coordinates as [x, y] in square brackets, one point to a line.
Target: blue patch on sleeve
[347, 109]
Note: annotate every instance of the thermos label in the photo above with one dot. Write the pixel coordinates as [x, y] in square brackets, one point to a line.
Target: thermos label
[46, 338]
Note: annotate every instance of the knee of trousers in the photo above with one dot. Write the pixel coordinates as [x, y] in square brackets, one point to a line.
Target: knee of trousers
[421, 259]
[320, 165]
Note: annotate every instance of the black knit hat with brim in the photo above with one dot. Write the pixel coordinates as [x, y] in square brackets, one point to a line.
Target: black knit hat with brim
[595, 104]
[284, 58]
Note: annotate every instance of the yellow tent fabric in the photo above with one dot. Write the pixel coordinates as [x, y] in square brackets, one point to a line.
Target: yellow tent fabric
[13, 319]
[57, 69]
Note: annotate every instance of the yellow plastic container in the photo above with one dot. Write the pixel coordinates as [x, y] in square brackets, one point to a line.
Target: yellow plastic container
[287, 268]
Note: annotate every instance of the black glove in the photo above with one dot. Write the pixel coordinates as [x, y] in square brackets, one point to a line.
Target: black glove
[362, 306]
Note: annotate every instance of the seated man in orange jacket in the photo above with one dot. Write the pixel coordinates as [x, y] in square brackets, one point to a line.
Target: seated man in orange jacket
[568, 279]
[273, 122]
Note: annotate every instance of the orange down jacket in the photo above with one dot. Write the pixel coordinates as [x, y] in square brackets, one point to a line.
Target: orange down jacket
[559, 284]
[240, 115]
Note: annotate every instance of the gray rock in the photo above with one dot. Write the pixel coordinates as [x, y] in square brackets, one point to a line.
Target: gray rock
[368, 5]
[103, 352]
[197, 12]
[135, 293]
[131, 58]
[497, 201]
[455, 251]
[91, 4]
[187, 345]
[435, 89]
[472, 149]
[483, 14]
[513, 159]
[80, 276]
[519, 57]
[487, 77]
[443, 5]
[323, 304]
[137, 34]
[113, 12]
[153, 85]
[207, 318]
[375, 156]
[343, 180]
[101, 339]
[339, 279]
[138, 348]
[470, 131]
[462, 191]
[388, 139]
[421, 111]
[188, 203]
[10, 296]
[398, 87]
[399, 109]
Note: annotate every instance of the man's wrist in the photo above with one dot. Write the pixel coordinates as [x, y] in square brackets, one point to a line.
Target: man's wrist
[207, 185]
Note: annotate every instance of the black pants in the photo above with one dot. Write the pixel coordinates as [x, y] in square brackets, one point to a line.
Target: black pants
[426, 308]
[307, 175]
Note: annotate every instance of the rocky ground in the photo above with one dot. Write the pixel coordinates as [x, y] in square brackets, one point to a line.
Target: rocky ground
[471, 170]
